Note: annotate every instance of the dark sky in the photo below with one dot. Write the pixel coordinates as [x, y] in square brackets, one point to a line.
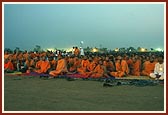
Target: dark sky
[65, 25]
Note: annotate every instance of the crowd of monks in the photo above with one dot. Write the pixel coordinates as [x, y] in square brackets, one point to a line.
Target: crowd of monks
[94, 66]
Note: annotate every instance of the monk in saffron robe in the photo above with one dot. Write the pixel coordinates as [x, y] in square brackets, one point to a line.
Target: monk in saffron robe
[129, 62]
[135, 67]
[70, 63]
[124, 67]
[148, 67]
[91, 65]
[83, 68]
[33, 64]
[108, 64]
[60, 69]
[75, 63]
[121, 68]
[145, 62]
[8, 66]
[90, 68]
[44, 66]
[99, 70]
[53, 63]
[38, 63]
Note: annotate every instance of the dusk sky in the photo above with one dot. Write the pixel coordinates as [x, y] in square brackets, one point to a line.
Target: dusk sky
[65, 25]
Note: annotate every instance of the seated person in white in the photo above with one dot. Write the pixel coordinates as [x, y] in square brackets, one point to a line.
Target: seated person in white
[159, 70]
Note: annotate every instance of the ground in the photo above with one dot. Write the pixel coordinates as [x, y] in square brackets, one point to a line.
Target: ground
[25, 93]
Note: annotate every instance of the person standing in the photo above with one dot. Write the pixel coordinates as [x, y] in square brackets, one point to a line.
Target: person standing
[82, 51]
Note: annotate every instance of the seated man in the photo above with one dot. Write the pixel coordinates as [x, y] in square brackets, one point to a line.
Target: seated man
[83, 66]
[99, 71]
[148, 67]
[121, 68]
[108, 64]
[52, 62]
[135, 67]
[92, 65]
[158, 70]
[44, 66]
[8, 66]
[74, 63]
[60, 69]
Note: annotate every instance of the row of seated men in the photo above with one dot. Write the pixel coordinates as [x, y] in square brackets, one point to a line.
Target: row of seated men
[90, 66]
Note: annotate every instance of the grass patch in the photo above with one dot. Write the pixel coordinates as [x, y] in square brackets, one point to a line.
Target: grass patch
[36, 94]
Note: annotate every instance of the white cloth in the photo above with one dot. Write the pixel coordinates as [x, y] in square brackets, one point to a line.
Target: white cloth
[82, 52]
[159, 69]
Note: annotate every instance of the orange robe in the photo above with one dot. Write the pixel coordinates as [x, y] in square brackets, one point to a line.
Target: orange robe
[121, 69]
[96, 59]
[13, 57]
[32, 63]
[124, 67]
[91, 66]
[148, 68]
[144, 64]
[83, 68]
[60, 69]
[44, 66]
[53, 63]
[130, 62]
[98, 72]
[75, 64]
[89, 69]
[135, 68]
[109, 65]
[9, 65]
[71, 64]
[38, 64]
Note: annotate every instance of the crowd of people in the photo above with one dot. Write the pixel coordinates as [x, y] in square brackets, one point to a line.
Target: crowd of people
[93, 65]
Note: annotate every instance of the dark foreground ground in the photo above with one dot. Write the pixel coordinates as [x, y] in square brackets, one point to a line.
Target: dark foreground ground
[37, 94]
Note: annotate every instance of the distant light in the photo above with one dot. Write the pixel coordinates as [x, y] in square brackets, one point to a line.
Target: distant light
[50, 49]
[117, 49]
[159, 49]
[130, 50]
[95, 50]
[69, 49]
[142, 49]
[81, 42]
